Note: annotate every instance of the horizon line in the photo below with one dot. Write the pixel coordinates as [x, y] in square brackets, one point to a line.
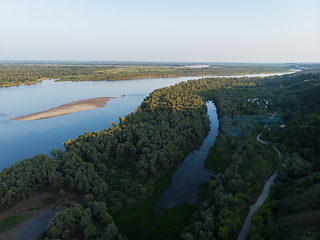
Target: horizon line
[154, 62]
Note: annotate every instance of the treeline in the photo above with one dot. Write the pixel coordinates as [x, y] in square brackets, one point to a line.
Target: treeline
[23, 179]
[76, 222]
[15, 74]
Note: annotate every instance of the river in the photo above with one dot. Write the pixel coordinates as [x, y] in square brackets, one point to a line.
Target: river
[186, 180]
[37, 225]
[24, 139]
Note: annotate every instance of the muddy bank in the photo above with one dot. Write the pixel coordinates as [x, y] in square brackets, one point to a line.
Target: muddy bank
[40, 213]
[64, 109]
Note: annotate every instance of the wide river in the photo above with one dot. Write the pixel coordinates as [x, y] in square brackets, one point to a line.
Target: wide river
[24, 139]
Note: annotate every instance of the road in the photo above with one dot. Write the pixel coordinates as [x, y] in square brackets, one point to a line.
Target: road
[263, 196]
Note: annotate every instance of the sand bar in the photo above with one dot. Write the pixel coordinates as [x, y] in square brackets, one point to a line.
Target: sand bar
[64, 109]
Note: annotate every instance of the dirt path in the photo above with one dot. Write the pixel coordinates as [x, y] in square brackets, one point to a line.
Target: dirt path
[263, 196]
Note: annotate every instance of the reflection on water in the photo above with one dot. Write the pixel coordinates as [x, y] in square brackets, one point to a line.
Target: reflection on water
[191, 173]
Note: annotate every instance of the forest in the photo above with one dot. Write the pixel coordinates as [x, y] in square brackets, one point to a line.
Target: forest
[251, 163]
[28, 73]
[122, 171]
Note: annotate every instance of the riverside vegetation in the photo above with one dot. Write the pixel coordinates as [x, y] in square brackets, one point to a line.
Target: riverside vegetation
[122, 171]
[28, 73]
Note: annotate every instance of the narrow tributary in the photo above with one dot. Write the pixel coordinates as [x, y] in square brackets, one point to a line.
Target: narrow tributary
[191, 173]
[186, 180]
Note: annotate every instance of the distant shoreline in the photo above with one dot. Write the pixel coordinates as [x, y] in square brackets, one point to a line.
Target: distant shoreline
[65, 109]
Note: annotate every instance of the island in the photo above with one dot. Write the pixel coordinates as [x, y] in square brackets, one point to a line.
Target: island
[71, 107]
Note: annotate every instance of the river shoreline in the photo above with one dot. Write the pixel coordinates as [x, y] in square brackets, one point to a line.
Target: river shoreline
[38, 210]
[145, 77]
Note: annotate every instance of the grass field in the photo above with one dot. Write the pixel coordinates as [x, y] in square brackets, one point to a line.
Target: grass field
[134, 222]
[169, 223]
[12, 221]
[217, 160]
[50, 200]
[299, 211]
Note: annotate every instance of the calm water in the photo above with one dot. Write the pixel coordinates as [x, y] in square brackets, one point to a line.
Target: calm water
[24, 139]
[37, 225]
[191, 173]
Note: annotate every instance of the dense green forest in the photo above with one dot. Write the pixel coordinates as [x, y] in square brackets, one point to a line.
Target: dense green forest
[122, 171]
[28, 73]
[292, 210]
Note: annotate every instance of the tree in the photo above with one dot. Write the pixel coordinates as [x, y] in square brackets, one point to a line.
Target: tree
[111, 230]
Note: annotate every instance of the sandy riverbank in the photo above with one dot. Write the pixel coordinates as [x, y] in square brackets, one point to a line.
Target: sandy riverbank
[64, 109]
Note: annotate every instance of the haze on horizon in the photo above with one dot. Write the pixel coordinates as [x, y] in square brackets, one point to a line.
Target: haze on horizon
[166, 31]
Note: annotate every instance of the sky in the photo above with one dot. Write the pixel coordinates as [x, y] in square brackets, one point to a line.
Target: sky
[258, 31]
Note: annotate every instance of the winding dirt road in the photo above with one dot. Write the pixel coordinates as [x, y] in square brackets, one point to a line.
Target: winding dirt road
[263, 196]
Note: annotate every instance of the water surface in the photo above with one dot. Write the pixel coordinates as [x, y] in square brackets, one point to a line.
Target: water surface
[37, 225]
[191, 173]
[24, 139]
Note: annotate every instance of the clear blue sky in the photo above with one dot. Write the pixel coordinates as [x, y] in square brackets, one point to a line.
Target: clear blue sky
[176, 30]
